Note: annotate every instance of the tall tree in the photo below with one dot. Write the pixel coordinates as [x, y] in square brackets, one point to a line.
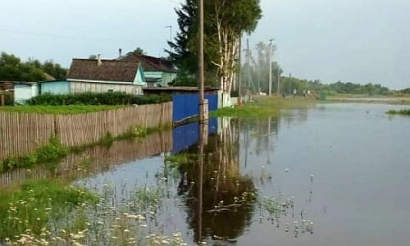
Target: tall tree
[225, 21]
[11, 68]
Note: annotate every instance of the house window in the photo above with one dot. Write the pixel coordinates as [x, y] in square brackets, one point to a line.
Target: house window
[137, 91]
[110, 90]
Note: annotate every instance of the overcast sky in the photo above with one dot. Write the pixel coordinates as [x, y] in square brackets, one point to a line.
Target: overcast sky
[349, 40]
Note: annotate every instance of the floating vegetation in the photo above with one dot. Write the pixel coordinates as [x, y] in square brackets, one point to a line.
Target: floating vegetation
[399, 112]
[284, 210]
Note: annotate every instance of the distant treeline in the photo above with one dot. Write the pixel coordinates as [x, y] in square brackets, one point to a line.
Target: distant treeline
[288, 84]
[13, 68]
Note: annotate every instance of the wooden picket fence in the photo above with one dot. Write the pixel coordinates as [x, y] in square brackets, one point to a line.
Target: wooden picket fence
[22, 133]
[101, 159]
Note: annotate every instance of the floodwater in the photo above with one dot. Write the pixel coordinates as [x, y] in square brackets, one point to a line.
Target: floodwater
[337, 173]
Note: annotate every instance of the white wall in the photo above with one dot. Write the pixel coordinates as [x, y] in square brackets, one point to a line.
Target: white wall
[23, 92]
[78, 87]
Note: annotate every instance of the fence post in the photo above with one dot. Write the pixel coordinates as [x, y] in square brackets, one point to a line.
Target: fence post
[2, 101]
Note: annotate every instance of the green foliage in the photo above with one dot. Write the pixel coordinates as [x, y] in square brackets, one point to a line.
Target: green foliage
[400, 112]
[182, 160]
[13, 69]
[264, 107]
[288, 84]
[69, 109]
[107, 140]
[139, 131]
[49, 155]
[227, 19]
[36, 204]
[405, 91]
[8, 97]
[54, 69]
[92, 98]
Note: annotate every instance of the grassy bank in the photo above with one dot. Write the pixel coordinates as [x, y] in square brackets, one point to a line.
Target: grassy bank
[264, 107]
[68, 109]
[399, 112]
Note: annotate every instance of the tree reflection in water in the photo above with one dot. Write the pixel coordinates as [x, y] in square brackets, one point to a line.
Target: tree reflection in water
[219, 200]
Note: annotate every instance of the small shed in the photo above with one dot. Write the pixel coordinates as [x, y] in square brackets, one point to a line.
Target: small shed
[55, 87]
[24, 91]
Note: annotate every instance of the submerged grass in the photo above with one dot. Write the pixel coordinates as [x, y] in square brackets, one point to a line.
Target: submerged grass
[33, 207]
[66, 109]
[399, 112]
[263, 107]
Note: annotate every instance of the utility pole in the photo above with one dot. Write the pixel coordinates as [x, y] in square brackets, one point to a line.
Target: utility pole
[201, 78]
[278, 81]
[248, 62]
[270, 67]
[170, 32]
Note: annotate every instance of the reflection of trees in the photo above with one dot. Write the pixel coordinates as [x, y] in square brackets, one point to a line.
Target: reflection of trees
[298, 116]
[259, 131]
[224, 213]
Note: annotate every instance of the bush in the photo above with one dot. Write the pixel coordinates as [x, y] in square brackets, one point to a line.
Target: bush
[91, 98]
[49, 155]
[8, 97]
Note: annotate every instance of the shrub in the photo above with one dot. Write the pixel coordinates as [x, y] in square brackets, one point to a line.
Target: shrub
[92, 98]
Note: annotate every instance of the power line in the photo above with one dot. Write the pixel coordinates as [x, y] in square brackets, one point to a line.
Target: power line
[63, 36]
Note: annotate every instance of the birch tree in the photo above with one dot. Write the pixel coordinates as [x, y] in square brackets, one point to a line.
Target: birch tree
[225, 21]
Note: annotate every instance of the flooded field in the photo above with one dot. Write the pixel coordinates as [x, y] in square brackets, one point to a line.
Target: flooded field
[336, 174]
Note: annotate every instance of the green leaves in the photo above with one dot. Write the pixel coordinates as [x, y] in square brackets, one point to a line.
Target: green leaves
[225, 21]
[13, 69]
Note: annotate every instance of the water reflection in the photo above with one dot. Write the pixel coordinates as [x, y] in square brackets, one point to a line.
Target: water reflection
[214, 189]
[95, 160]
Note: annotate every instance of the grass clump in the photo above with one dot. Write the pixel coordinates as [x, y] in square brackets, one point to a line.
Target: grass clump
[49, 155]
[400, 112]
[263, 107]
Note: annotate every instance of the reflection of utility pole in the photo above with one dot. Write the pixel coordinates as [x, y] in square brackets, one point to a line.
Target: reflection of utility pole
[202, 136]
[270, 67]
[269, 124]
[240, 71]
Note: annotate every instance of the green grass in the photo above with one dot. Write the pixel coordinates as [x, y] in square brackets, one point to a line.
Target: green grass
[33, 207]
[68, 109]
[263, 107]
[49, 155]
[399, 112]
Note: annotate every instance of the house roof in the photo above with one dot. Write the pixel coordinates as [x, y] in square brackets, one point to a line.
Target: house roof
[107, 70]
[150, 63]
[6, 85]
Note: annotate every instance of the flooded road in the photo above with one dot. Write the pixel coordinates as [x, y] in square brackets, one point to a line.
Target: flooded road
[335, 174]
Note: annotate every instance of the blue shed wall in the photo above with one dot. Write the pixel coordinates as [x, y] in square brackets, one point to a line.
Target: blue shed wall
[187, 105]
[55, 87]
